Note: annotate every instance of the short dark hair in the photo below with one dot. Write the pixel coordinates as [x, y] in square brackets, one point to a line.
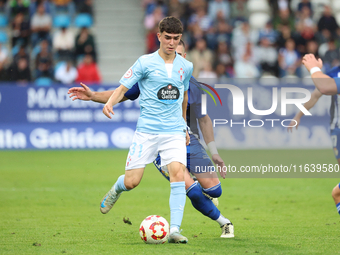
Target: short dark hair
[170, 25]
[181, 42]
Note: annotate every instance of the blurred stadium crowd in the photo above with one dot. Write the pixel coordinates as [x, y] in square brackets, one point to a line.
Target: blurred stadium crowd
[251, 39]
[45, 41]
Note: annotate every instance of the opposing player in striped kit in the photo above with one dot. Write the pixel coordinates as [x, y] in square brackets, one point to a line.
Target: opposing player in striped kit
[325, 84]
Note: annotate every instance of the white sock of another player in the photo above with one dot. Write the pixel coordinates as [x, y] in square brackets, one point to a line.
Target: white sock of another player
[177, 203]
[222, 220]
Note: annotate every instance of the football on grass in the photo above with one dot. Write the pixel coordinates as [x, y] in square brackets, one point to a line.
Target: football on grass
[154, 229]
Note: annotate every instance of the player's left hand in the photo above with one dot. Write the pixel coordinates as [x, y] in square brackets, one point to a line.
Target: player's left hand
[81, 93]
[295, 122]
[309, 61]
[220, 163]
[107, 109]
[187, 138]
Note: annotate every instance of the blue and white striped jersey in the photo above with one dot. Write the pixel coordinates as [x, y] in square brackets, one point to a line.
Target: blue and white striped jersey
[335, 104]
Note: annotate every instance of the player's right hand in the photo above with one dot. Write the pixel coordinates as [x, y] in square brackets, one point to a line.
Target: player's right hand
[220, 163]
[81, 93]
[309, 61]
[292, 124]
[107, 109]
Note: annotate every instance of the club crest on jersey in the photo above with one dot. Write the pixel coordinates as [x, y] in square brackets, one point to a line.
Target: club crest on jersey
[181, 72]
[168, 94]
[128, 74]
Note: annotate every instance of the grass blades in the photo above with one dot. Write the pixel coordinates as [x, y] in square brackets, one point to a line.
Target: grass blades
[49, 204]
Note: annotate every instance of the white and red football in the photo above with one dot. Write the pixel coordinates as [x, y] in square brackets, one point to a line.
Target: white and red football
[154, 229]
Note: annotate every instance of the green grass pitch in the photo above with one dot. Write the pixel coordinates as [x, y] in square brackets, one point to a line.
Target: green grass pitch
[49, 204]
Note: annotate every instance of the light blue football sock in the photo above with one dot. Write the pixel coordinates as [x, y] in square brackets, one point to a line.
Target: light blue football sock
[338, 207]
[177, 203]
[120, 187]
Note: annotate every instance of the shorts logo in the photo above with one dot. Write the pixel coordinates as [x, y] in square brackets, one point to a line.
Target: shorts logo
[168, 94]
[128, 74]
[128, 161]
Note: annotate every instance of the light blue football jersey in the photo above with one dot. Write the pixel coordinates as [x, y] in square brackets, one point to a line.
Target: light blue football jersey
[161, 96]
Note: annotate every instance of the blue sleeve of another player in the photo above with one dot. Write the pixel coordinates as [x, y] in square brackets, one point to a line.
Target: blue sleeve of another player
[133, 75]
[196, 98]
[133, 93]
[188, 76]
[334, 73]
[337, 82]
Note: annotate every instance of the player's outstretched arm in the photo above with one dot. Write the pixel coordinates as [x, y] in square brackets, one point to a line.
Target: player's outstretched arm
[84, 93]
[325, 84]
[208, 136]
[115, 98]
[308, 105]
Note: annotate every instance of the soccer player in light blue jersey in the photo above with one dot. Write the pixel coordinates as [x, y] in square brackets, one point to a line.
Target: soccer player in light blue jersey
[164, 80]
[326, 84]
[209, 185]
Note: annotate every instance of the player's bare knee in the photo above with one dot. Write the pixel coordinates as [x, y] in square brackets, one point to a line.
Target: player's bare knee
[177, 176]
[131, 185]
[176, 172]
[336, 192]
[131, 182]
